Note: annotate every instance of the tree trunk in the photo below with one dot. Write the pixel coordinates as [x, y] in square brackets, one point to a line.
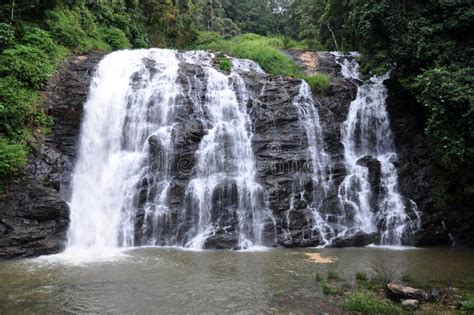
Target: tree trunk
[12, 14]
[333, 36]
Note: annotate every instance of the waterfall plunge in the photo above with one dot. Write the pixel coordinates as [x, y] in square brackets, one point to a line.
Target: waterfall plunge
[123, 170]
[366, 134]
[129, 159]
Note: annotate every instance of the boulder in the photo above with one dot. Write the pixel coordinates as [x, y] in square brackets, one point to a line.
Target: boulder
[398, 292]
[359, 239]
[410, 305]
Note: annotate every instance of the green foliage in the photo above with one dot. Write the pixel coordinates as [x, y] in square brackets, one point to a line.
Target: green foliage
[319, 278]
[12, 159]
[224, 63]
[76, 29]
[7, 36]
[26, 63]
[16, 107]
[258, 48]
[367, 302]
[361, 276]
[328, 289]
[319, 83]
[332, 275]
[467, 304]
[115, 38]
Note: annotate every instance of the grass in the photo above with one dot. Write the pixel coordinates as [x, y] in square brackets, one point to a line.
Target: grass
[367, 302]
[319, 83]
[361, 276]
[266, 51]
[328, 288]
[467, 304]
[224, 63]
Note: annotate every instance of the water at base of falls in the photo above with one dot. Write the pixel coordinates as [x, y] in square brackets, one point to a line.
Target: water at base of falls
[144, 111]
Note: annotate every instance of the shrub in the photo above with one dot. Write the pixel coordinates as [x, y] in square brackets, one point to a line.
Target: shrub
[12, 159]
[328, 289]
[115, 38]
[65, 25]
[319, 83]
[16, 106]
[7, 36]
[38, 38]
[224, 63]
[27, 64]
[367, 302]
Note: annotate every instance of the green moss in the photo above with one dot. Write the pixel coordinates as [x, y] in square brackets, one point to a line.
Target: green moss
[367, 302]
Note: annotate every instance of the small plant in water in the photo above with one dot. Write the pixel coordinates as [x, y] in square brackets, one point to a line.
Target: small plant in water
[328, 289]
[319, 278]
[361, 276]
[332, 275]
[367, 302]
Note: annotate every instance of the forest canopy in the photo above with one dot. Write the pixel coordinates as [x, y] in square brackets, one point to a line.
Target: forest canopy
[428, 45]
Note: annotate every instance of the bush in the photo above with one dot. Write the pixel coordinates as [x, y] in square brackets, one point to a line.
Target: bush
[7, 36]
[115, 38]
[16, 106]
[27, 64]
[38, 38]
[12, 159]
[328, 289]
[76, 29]
[319, 83]
[367, 302]
[224, 63]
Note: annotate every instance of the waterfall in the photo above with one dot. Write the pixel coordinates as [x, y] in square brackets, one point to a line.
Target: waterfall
[317, 166]
[132, 155]
[369, 193]
[166, 159]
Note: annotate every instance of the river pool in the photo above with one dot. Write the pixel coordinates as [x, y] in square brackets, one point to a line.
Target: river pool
[168, 280]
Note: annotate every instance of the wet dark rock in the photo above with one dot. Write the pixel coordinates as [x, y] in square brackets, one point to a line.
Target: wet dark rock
[34, 215]
[410, 305]
[398, 292]
[222, 240]
[359, 239]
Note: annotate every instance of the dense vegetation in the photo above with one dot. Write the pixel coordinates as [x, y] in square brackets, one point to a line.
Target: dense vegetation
[427, 44]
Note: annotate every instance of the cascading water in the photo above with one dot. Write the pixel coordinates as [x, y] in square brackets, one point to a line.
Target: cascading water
[371, 200]
[125, 168]
[317, 166]
[152, 112]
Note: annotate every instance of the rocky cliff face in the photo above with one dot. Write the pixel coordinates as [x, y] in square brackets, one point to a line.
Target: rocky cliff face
[34, 212]
[34, 215]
